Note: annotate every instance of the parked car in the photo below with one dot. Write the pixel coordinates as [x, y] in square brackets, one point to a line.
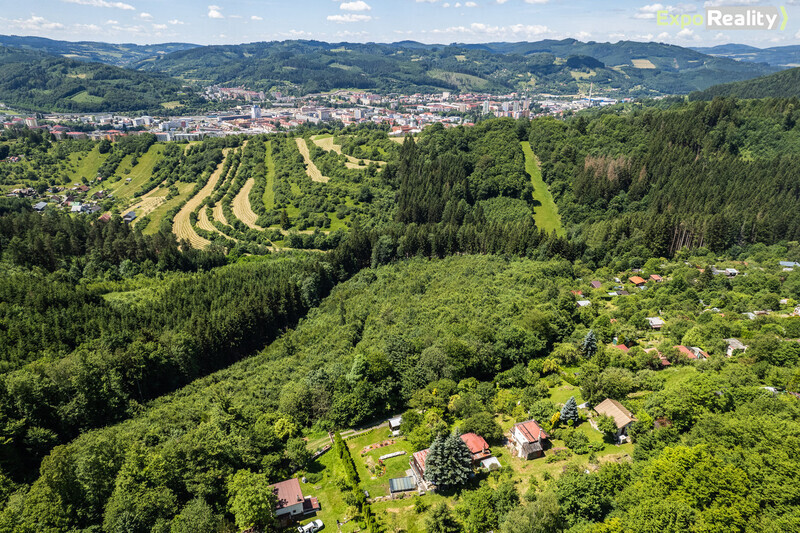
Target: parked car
[311, 527]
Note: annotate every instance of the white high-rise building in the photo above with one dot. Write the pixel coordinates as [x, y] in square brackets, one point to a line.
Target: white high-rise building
[256, 112]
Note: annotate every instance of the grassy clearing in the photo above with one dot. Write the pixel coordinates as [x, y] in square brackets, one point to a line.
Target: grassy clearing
[88, 165]
[643, 63]
[269, 190]
[139, 174]
[546, 213]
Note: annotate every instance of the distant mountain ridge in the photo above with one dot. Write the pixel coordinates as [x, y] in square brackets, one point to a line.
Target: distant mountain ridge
[778, 56]
[112, 54]
[631, 68]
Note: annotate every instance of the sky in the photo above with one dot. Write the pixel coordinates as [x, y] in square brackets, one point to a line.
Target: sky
[428, 21]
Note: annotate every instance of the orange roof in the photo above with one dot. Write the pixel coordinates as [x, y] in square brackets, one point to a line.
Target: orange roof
[531, 430]
[288, 492]
[420, 458]
[621, 347]
[655, 277]
[636, 280]
[474, 442]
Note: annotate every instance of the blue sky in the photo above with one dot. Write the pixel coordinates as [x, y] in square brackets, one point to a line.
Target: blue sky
[430, 21]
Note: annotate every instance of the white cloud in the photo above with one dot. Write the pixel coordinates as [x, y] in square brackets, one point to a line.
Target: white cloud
[176, 22]
[215, 12]
[33, 23]
[159, 26]
[649, 11]
[471, 4]
[446, 4]
[536, 1]
[356, 5]
[256, 17]
[349, 17]
[102, 3]
[663, 36]
[797, 35]
[616, 36]
[501, 2]
[458, 4]
[687, 33]
[582, 35]
[146, 16]
[481, 31]
[111, 22]
[427, 1]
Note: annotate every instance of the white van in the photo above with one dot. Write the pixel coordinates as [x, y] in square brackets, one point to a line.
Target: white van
[311, 527]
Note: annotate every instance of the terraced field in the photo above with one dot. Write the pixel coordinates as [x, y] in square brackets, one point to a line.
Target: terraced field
[326, 143]
[139, 174]
[311, 169]
[182, 226]
[241, 205]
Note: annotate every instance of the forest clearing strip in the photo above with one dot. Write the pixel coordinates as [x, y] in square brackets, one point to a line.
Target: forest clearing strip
[241, 205]
[311, 169]
[546, 213]
[182, 226]
[269, 190]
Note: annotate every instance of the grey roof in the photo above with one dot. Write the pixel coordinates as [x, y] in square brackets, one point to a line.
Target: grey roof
[402, 484]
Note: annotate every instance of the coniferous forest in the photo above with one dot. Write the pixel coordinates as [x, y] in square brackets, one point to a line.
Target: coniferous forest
[150, 385]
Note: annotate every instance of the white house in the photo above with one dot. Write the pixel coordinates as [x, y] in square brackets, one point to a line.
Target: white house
[528, 439]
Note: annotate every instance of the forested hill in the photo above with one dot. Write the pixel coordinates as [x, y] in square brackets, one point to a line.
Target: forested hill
[684, 176]
[109, 53]
[784, 84]
[36, 81]
[561, 67]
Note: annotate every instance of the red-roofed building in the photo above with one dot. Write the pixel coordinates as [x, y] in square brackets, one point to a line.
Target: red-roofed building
[477, 446]
[656, 278]
[417, 464]
[528, 439]
[621, 347]
[693, 352]
[290, 497]
[636, 280]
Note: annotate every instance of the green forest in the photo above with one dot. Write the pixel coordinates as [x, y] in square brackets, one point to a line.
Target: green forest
[289, 293]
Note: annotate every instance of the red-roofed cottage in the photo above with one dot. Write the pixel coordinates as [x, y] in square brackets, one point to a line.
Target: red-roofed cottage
[291, 501]
[477, 446]
[528, 439]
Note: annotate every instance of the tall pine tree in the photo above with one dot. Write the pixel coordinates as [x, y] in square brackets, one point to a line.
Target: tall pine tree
[589, 346]
[570, 411]
[449, 462]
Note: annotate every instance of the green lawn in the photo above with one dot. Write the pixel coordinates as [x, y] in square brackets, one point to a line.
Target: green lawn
[546, 213]
[269, 189]
[87, 167]
[139, 174]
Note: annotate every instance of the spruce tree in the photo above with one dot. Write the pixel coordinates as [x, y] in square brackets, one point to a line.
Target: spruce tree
[589, 345]
[449, 462]
[570, 411]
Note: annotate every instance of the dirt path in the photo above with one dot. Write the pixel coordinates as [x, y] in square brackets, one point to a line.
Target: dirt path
[182, 226]
[311, 169]
[241, 205]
